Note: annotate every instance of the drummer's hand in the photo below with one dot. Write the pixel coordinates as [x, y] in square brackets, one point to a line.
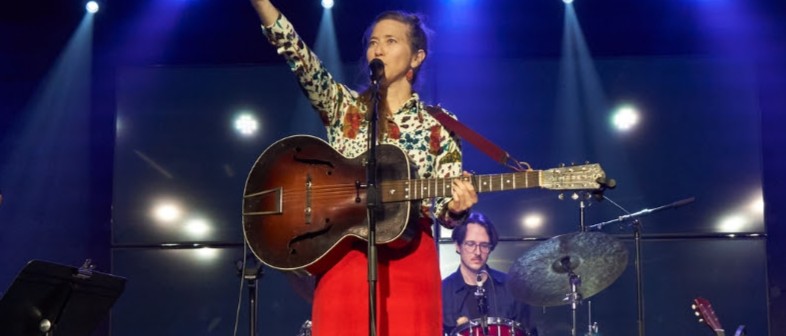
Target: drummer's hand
[462, 320]
[463, 195]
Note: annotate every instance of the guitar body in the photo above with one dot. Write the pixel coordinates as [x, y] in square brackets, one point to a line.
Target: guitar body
[303, 207]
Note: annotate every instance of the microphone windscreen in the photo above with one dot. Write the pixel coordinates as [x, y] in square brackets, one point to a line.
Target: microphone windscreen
[376, 68]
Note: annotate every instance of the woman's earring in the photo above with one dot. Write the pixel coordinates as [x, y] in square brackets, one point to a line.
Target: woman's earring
[410, 75]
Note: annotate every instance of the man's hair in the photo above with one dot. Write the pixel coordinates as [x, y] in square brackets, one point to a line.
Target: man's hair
[460, 232]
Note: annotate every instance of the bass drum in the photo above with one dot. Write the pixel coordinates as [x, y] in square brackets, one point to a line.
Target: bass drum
[497, 326]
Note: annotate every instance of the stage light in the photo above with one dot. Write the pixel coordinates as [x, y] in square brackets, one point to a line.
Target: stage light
[567, 1]
[197, 228]
[327, 4]
[91, 7]
[206, 254]
[756, 205]
[246, 124]
[733, 223]
[625, 118]
[167, 211]
[533, 221]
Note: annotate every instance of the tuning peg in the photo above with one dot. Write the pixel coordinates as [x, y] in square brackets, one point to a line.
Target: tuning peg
[574, 196]
[561, 196]
[606, 183]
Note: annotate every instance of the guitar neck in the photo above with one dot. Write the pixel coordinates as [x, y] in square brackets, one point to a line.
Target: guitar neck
[407, 190]
[706, 314]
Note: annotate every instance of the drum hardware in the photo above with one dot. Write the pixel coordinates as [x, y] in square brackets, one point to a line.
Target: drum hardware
[592, 327]
[483, 307]
[305, 329]
[497, 326]
[635, 223]
[251, 272]
[594, 258]
[537, 277]
[591, 260]
[574, 297]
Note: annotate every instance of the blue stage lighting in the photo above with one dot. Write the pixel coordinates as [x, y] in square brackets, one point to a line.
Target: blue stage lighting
[91, 7]
[567, 1]
[327, 4]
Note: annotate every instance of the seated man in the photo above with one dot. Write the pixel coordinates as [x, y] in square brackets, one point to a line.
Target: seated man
[462, 300]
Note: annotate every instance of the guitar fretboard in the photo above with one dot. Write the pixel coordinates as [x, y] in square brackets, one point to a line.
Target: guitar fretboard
[405, 190]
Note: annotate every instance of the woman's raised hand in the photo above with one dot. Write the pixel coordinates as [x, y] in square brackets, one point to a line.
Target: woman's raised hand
[267, 12]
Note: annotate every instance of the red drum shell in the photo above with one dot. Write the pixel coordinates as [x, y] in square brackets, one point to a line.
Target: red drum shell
[498, 326]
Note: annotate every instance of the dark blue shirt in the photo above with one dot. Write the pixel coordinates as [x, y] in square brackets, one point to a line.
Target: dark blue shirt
[458, 300]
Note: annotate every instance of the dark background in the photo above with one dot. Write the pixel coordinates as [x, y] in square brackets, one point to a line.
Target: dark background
[167, 77]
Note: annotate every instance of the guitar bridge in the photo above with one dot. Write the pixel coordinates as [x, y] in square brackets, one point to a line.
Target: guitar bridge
[266, 202]
[307, 212]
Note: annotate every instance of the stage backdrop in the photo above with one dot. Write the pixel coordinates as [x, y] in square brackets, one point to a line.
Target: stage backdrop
[699, 136]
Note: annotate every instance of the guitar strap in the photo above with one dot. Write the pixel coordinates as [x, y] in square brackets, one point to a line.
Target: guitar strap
[489, 148]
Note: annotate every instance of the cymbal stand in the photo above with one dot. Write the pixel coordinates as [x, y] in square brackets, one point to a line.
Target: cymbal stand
[574, 297]
[579, 196]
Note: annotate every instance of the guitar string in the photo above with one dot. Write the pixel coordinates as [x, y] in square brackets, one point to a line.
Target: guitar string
[491, 179]
[438, 184]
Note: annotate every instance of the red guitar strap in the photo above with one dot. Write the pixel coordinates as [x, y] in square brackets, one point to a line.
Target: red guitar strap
[489, 148]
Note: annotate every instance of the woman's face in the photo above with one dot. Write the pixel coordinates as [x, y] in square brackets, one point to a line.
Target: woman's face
[389, 41]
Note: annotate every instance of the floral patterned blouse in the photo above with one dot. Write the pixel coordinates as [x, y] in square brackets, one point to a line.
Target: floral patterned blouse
[434, 150]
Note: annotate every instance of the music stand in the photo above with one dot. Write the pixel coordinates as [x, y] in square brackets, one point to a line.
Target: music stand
[51, 299]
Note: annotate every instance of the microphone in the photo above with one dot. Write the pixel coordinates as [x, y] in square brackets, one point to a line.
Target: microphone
[376, 69]
[682, 202]
[480, 279]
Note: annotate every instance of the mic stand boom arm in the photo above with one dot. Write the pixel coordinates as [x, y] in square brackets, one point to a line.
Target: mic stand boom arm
[642, 213]
[637, 245]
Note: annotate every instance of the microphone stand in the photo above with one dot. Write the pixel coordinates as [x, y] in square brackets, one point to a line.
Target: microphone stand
[372, 199]
[636, 224]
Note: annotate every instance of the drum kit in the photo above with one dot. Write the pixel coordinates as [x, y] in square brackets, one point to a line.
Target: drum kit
[566, 269]
[561, 270]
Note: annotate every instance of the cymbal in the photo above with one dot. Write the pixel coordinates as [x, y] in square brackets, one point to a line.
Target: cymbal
[540, 277]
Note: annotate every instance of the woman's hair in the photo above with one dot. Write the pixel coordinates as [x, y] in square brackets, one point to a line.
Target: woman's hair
[460, 232]
[418, 33]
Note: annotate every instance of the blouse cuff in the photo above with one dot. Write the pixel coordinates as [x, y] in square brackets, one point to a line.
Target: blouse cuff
[451, 220]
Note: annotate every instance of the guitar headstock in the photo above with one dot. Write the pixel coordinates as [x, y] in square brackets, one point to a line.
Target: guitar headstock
[703, 309]
[580, 177]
